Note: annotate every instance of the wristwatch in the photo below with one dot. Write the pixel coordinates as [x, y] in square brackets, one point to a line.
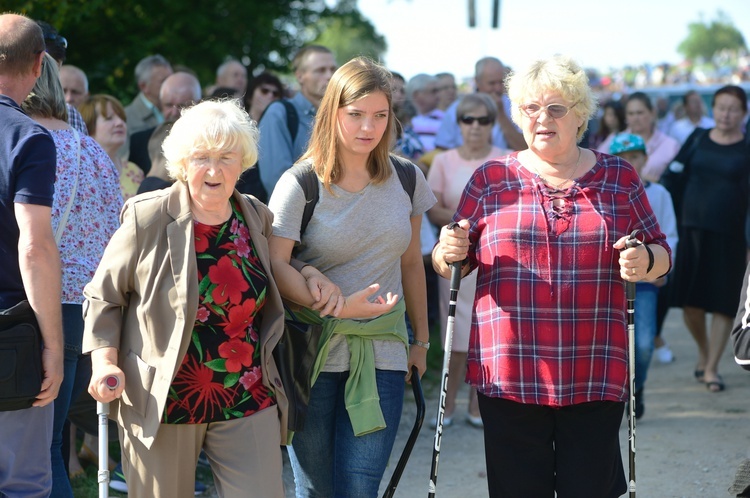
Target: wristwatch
[421, 344]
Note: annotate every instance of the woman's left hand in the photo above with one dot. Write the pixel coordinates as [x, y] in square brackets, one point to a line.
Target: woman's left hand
[418, 357]
[633, 261]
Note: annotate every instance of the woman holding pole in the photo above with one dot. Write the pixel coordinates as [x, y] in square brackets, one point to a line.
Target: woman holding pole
[545, 229]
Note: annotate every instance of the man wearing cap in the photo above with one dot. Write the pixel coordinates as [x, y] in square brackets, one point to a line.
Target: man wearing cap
[632, 149]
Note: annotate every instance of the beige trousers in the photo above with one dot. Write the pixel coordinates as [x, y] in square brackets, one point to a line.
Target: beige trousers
[245, 457]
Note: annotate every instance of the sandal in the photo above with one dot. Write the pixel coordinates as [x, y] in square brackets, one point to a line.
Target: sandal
[698, 374]
[716, 386]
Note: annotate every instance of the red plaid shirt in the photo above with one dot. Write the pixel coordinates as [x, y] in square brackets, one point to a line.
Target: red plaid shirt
[549, 321]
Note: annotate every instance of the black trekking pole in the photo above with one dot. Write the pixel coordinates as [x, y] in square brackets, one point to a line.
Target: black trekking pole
[102, 411]
[632, 241]
[455, 285]
[416, 386]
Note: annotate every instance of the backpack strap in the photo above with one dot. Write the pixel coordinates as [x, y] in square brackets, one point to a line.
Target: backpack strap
[292, 118]
[406, 174]
[308, 180]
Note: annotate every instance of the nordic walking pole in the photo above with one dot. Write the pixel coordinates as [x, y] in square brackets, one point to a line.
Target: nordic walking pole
[102, 411]
[630, 297]
[455, 285]
[416, 386]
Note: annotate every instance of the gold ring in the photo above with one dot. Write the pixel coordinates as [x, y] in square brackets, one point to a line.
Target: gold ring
[633, 271]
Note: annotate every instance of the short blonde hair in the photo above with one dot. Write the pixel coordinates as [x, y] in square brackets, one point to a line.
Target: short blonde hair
[560, 74]
[210, 126]
[353, 81]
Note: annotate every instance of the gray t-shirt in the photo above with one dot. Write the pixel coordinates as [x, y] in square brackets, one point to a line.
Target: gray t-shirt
[356, 239]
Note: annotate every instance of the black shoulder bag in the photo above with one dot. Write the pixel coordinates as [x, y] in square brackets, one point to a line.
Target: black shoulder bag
[20, 357]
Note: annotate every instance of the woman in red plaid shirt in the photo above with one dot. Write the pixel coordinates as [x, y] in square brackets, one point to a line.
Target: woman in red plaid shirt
[545, 230]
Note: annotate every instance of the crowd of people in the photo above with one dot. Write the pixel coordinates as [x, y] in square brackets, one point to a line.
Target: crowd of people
[164, 243]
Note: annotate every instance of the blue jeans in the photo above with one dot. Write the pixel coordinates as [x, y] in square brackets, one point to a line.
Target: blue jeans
[69, 391]
[328, 460]
[646, 297]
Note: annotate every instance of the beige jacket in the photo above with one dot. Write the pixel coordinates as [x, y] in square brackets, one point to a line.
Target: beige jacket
[143, 301]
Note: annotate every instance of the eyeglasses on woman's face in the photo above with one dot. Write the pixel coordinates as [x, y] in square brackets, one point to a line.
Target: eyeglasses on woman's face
[555, 111]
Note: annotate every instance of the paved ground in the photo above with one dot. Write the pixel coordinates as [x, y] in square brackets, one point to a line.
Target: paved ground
[689, 442]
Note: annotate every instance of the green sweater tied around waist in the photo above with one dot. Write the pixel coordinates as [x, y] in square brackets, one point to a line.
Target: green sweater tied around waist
[361, 390]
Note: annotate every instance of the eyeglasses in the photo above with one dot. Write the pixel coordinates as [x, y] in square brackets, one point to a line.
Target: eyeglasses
[483, 120]
[555, 111]
[56, 38]
[266, 91]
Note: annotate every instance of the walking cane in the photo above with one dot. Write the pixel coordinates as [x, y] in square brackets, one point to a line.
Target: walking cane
[416, 386]
[632, 241]
[102, 411]
[455, 284]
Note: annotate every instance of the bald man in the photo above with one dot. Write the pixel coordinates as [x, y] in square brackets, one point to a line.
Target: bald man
[75, 85]
[178, 91]
[30, 262]
[232, 74]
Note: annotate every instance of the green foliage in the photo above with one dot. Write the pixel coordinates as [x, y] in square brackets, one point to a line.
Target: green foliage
[107, 39]
[706, 39]
[348, 34]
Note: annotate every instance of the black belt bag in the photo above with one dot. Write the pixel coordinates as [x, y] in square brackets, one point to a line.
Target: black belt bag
[20, 357]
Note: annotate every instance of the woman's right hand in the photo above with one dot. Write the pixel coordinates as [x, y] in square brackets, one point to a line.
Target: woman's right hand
[98, 387]
[358, 305]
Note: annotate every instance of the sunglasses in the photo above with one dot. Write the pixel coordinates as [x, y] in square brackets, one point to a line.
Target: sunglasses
[55, 38]
[555, 111]
[266, 91]
[483, 121]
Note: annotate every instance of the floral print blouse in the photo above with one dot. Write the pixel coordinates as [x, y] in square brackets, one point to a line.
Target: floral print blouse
[94, 215]
[220, 377]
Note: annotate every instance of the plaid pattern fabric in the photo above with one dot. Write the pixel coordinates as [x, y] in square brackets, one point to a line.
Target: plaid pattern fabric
[549, 323]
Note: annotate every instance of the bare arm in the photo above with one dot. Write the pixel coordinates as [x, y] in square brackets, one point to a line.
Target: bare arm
[39, 262]
[438, 214]
[636, 258]
[415, 294]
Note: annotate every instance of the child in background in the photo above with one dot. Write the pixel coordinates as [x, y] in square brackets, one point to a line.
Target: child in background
[632, 149]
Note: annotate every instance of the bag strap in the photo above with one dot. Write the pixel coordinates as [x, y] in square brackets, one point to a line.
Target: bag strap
[292, 119]
[407, 174]
[64, 217]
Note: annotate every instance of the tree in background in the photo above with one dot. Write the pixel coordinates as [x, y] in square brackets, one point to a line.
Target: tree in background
[707, 39]
[107, 39]
[348, 34]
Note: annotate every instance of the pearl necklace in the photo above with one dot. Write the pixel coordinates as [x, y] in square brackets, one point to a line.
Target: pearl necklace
[559, 186]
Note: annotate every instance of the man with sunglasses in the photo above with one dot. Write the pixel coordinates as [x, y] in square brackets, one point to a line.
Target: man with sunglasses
[279, 146]
[489, 76]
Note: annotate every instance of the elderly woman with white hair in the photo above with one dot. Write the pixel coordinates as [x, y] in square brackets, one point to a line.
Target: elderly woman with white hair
[184, 311]
[545, 230]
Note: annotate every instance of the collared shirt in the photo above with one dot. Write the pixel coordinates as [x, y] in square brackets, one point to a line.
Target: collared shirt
[76, 120]
[151, 107]
[449, 134]
[277, 152]
[549, 321]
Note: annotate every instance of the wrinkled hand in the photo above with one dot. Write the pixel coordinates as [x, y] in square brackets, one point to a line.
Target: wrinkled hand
[98, 387]
[454, 243]
[358, 305]
[52, 364]
[633, 261]
[328, 297]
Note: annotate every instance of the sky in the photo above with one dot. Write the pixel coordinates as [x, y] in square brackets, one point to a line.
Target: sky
[432, 36]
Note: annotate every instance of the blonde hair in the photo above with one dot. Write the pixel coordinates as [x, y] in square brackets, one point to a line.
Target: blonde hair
[559, 74]
[353, 81]
[47, 98]
[210, 126]
[96, 105]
